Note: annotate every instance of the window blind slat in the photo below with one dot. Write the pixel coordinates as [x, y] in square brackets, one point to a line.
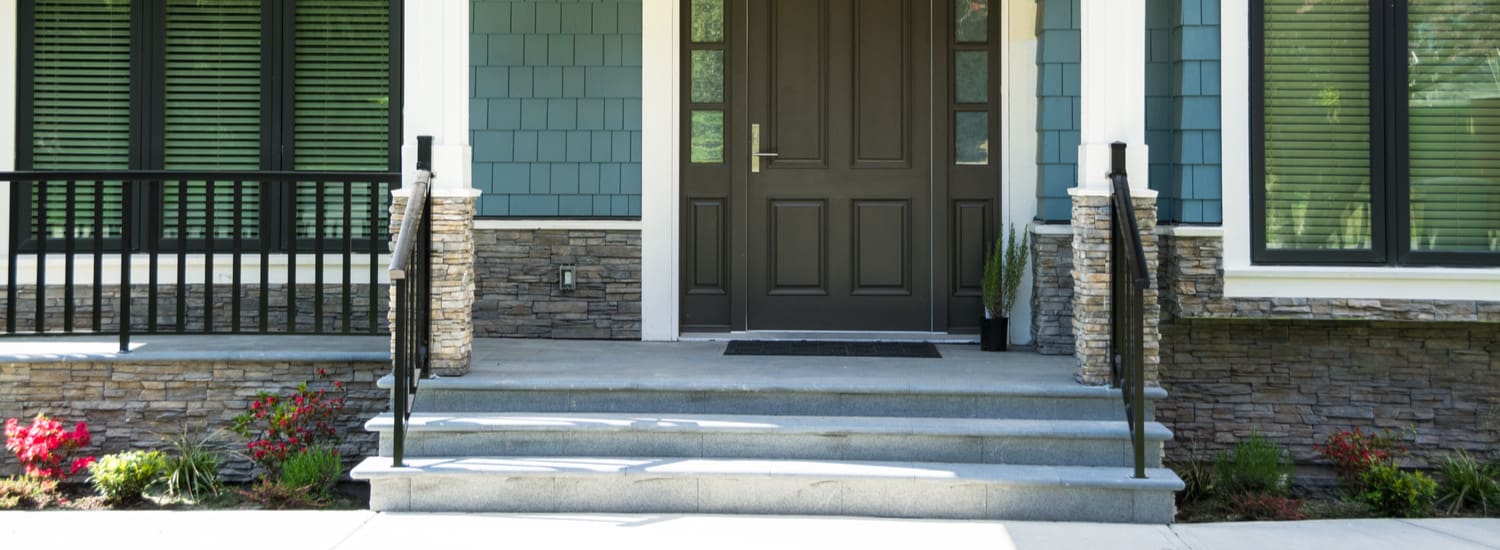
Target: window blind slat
[213, 117]
[81, 106]
[343, 60]
[1317, 124]
[1454, 124]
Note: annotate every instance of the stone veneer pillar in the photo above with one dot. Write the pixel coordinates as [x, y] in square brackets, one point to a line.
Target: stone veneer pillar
[452, 277]
[1091, 296]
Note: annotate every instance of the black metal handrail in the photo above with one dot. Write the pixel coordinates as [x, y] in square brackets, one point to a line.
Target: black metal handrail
[117, 215]
[411, 274]
[1129, 278]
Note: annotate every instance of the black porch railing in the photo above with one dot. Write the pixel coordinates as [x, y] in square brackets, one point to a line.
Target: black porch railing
[1129, 278]
[125, 225]
[411, 274]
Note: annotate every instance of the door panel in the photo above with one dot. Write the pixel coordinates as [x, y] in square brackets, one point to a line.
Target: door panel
[845, 209]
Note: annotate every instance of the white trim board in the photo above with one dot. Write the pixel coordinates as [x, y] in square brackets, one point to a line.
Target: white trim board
[559, 224]
[1244, 280]
[661, 193]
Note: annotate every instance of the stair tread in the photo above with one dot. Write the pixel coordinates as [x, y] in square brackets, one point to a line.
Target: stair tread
[787, 424]
[1099, 477]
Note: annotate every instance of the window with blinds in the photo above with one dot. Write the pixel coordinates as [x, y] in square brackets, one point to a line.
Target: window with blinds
[342, 105]
[1316, 123]
[213, 113]
[80, 107]
[1453, 124]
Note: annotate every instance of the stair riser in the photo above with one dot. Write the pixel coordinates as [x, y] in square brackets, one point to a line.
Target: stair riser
[762, 495]
[914, 448]
[774, 403]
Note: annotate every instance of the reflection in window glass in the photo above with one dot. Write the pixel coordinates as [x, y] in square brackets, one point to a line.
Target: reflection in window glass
[971, 137]
[708, 76]
[1454, 118]
[973, 77]
[708, 21]
[708, 137]
[971, 20]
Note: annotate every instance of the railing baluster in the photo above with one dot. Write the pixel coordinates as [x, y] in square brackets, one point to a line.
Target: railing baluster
[239, 252]
[375, 247]
[208, 255]
[155, 232]
[70, 218]
[126, 232]
[291, 264]
[98, 255]
[12, 253]
[348, 289]
[41, 257]
[182, 225]
[318, 221]
[265, 268]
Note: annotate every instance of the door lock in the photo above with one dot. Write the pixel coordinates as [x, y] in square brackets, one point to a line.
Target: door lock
[755, 154]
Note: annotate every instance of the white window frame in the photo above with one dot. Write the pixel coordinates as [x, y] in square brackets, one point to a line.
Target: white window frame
[1244, 279]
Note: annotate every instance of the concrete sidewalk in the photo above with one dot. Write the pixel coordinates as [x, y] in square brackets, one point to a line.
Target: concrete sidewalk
[362, 530]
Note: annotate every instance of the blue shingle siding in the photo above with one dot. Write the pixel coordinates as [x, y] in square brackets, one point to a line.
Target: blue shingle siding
[555, 114]
[1058, 43]
[1182, 108]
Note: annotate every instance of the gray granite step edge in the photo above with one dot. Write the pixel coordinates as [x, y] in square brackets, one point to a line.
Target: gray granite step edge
[766, 424]
[852, 386]
[1094, 477]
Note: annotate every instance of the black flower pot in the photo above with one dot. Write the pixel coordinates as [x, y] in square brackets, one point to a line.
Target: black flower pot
[993, 334]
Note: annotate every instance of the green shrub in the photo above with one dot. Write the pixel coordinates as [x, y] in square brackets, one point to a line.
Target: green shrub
[1467, 484]
[27, 492]
[1391, 491]
[123, 477]
[1255, 465]
[314, 469]
[192, 470]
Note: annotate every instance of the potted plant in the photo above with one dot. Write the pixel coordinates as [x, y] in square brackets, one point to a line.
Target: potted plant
[1003, 271]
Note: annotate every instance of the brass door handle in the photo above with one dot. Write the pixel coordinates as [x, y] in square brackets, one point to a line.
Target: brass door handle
[755, 154]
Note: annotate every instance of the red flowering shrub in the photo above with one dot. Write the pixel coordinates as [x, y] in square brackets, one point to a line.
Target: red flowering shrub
[1355, 452]
[279, 427]
[44, 447]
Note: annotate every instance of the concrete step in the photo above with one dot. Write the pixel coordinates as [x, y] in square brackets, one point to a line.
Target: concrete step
[747, 486]
[947, 440]
[837, 396]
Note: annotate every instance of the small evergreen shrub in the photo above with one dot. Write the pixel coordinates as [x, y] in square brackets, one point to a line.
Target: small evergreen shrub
[314, 470]
[1391, 491]
[1467, 484]
[1255, 465]
[123, 477]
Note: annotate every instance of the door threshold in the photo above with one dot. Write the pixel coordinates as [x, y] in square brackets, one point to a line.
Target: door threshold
[832, 336]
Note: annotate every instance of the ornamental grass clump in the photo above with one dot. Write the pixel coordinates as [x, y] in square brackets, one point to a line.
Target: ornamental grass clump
[45, 449]
[192, 467]
[314, 470]
[1256, 465]
[1468, 485]
[123, 477]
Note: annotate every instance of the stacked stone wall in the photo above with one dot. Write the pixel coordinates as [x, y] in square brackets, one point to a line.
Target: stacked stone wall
[518, 294]
[1296, 381]
[135, 405]
[1091, 315]
[1052, 292]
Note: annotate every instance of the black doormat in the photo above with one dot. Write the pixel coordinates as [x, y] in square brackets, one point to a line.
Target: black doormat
[833, 349]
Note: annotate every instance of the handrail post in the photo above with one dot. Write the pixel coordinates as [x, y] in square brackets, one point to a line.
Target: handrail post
[410, 273]
[1128, 280]
[126, 237]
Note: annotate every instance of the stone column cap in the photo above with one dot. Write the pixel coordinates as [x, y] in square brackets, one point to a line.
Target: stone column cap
[465, 193]
[1135, 193]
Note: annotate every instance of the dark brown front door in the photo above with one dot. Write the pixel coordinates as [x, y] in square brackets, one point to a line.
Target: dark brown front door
[840, 220]
[875, 195]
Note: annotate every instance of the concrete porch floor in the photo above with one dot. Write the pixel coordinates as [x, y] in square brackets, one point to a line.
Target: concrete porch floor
[702, 366]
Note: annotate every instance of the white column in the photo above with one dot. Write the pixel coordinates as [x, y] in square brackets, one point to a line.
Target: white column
[436, 93]
[659, 193]
[1113, 87]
